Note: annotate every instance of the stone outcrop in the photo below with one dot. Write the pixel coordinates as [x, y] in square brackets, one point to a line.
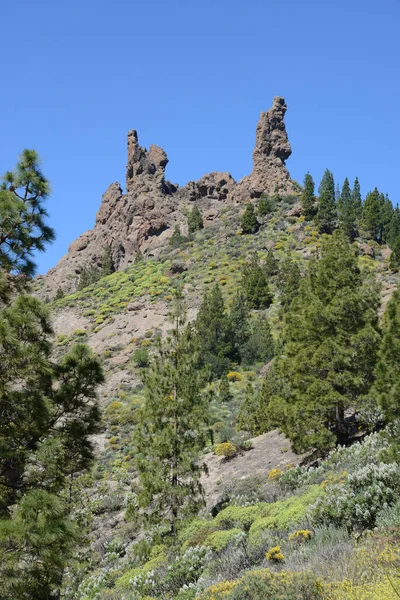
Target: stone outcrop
[270, 154]
[144, 217]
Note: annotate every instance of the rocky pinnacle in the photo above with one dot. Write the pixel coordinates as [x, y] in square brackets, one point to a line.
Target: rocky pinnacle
[145, 216]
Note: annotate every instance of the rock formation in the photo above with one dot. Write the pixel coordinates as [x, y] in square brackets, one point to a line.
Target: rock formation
[271, 151]
[144, 217]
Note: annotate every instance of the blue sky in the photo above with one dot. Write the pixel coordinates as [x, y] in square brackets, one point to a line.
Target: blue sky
[193, 76]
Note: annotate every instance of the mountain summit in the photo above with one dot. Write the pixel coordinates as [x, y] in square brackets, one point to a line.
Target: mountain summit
[145, 216]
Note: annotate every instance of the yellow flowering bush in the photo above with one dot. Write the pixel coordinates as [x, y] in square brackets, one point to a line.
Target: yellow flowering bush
[220, 590]
[301, 535]
[226, 449]
[234, 376]
[274, 474]
[275, 555]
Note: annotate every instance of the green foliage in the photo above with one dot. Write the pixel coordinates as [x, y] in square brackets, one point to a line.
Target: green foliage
[23, 216]
[395, 256]
[286, 585]
[288, 281]
[49, 411]
[394, 228]
[195, 533]
[356, 503]
[213, 333]
[330, 340]
[348, 211]
[166, 457]
[219, 540]
[255, 285]
[195, 220]
[377, 215]
[224, 391]
[89, 275]
[241, 517]
[60, 294]
[249, 223]
[238, 325]
[326, 217]
[226, 449]
[356, 200]
[387, 384]
[283, 514]
[271, 264]
[177, 239]
[107, 262]
[265, 205]
[259, 345]
[35, 544]
[308, 198]
[141, 357]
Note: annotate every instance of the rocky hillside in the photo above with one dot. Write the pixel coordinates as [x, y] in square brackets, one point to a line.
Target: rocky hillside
[144, 217]
[258, 500]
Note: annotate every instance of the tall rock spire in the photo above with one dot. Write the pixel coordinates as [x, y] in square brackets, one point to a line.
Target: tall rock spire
[271, 151]
[143, 162]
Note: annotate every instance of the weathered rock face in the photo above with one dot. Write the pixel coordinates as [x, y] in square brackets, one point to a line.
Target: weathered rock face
[145, 216]
[271, 151]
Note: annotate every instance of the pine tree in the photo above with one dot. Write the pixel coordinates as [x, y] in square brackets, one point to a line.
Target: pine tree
[254, 411]
[259, 345]
[308, 197]
[330, 340]
[224, 391]
[372, 214]
[167, 456]
[177, 239]
[387, 382]
[357, 200]
[213, 333]
[139, 257]
[265, 205]
[386, 218]
[271, 264]
[326, 217]
[238, 325]
[395, 256]
[347, 212]
[288, 281]
[394, 229]
[249, 223]
[255, 285]
[107, 262]
[23, 215]
[89, 275]
[48, 409]
[195, 220]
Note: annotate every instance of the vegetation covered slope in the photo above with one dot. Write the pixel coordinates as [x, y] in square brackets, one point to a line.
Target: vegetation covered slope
[277, 529]
[264, 319]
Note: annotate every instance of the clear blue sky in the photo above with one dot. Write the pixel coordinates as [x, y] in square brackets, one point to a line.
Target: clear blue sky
[193, 76]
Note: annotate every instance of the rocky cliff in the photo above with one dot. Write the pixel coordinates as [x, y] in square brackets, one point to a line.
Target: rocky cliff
[144, 217]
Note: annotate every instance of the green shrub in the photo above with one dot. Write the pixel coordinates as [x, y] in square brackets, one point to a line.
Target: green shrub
[286, 585]
[356, 503]
[195, 533]
[141, 358]
[139, 573]
[265, 585]
[249, 223]
[240, 516]
[219, 540]
[225, 449]
[283, 514]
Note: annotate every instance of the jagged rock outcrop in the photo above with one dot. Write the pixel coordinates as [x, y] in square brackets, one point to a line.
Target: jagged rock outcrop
[270, 154]
[144, 217]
